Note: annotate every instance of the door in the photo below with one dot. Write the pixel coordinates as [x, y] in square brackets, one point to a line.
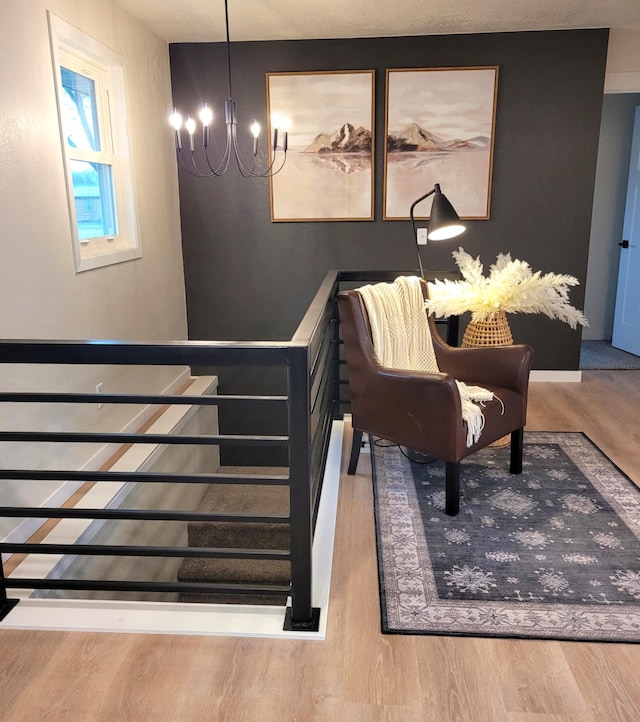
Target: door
[626, 321]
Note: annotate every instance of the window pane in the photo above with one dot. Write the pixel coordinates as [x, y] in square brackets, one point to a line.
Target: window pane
[94, 199]
[79, 111]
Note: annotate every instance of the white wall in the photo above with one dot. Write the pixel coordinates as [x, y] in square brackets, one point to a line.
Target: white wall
[624, 52]
[41, 296]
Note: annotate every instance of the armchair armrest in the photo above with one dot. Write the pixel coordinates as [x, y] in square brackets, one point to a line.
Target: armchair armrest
[506, 366]
[417, 409]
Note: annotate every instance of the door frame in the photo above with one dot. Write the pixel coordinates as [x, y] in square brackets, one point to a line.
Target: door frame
[614, 83]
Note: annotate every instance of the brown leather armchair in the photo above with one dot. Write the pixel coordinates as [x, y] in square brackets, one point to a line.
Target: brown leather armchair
[422, 410]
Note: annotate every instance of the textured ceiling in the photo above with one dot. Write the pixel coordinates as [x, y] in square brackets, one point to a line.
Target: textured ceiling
[203, 20]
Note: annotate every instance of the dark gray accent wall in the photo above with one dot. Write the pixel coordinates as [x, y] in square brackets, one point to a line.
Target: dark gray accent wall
[250, 279]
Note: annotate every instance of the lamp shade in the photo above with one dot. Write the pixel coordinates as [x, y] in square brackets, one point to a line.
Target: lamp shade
[444, 222]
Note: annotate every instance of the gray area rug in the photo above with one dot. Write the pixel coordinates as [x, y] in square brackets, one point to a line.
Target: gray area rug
[553, 553]
[602, 355]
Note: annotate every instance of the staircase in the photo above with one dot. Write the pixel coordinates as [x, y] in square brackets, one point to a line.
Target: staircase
[241, 499]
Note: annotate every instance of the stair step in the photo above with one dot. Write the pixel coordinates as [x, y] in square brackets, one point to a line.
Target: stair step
[236, 571]
[239, 535]
[258, 499]
[245, 499]
[249, 499]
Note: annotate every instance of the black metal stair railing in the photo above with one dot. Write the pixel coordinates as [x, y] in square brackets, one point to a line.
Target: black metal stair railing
[311, 399]
[315, 383]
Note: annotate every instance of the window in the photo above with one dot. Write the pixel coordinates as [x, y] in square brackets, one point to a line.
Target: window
[91, 108]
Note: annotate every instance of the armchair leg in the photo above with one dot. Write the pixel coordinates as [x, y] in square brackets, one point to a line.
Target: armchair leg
[356, 443]
[452, 488]
[517, 443]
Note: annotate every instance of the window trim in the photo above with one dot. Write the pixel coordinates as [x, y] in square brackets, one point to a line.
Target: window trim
[69, 42]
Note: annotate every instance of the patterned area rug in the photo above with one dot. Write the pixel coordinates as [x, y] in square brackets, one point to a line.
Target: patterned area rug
[553, 553]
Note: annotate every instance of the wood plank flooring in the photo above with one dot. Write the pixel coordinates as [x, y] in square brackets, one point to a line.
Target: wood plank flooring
[357, 674]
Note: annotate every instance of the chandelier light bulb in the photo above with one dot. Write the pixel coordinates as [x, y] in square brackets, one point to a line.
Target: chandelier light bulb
[175, 119]
[190, 125]
[206, 115]
[255, 128]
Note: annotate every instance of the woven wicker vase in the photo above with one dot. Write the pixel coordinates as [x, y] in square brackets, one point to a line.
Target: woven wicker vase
[495, 332]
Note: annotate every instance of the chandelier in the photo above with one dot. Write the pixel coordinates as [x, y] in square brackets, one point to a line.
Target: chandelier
[247, 168]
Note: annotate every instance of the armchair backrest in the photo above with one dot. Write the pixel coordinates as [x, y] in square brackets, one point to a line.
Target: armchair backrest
[373, 408]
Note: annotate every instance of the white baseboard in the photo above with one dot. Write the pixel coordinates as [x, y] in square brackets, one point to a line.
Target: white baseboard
[559, 376]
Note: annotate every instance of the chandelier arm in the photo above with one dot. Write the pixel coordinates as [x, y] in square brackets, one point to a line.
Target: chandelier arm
[244, 169]
[266, 173]
[224, 161]
[196, 172]
[243, 166]
[200, 173]
[214, 171]
[244, 172]
[284, 160]
[269, 172]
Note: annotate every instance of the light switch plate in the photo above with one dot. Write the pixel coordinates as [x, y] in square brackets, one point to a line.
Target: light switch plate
[422, 236]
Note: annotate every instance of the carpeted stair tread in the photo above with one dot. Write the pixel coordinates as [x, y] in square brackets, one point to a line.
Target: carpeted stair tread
[240, 571]
[258, 499]
[244, 499]
[241, 535]
[236, 571]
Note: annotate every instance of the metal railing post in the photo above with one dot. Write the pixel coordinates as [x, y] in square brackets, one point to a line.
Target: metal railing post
[301, 615]
[6, 605]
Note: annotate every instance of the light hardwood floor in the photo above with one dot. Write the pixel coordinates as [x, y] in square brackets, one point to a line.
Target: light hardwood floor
[357, 674]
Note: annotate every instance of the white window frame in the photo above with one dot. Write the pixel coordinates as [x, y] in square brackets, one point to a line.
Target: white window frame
[74, 49]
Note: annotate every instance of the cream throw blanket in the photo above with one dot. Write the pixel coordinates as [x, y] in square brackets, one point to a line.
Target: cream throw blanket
[402, 340]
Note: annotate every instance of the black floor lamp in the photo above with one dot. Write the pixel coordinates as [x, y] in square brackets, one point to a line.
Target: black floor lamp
[444, 222]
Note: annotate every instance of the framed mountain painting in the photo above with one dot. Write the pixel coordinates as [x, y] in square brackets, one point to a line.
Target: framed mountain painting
[328, 175]
[440, 128]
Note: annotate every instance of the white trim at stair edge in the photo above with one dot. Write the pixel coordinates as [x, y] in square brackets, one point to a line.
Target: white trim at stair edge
[28, 527]
[199, 619]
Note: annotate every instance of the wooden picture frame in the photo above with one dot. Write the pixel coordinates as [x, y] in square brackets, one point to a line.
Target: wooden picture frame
[328, 175]
[439, 128]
